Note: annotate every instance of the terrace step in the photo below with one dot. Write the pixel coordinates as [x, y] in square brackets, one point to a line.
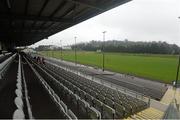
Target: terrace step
[168, 96]
[149, 113]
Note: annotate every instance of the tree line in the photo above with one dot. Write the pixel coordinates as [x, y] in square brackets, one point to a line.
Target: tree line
[47, 47]
[129, 47]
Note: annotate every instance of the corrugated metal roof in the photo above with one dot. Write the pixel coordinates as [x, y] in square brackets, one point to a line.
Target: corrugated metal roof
[25, 22]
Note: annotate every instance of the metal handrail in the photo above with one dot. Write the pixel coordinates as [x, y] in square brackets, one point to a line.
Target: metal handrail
[27, 96]
[4, 65]
[172, 112]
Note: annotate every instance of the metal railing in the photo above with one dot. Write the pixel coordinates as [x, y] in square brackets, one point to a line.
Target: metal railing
[4, 65]
[4, 55]
[172, 111]
[26, 95]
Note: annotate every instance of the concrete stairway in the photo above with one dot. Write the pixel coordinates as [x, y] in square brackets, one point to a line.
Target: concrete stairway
[168, 96]
[149, 113]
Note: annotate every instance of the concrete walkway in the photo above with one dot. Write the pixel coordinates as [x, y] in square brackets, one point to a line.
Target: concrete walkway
[177, 95]
[157, 109]
[149, 113]
[170, 95]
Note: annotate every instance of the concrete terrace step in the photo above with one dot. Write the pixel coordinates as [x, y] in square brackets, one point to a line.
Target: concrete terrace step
[149, 113]
[170, 94]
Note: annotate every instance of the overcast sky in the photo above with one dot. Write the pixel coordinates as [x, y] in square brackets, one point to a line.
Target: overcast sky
[138, 20]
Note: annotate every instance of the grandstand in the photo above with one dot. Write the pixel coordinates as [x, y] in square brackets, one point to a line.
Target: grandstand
[51, 90]
[33, 86]
[148, 88]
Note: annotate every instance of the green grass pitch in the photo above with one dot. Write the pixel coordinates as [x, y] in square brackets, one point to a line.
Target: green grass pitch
[155, 67]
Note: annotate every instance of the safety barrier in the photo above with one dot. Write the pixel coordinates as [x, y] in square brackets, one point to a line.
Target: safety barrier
[4, 65]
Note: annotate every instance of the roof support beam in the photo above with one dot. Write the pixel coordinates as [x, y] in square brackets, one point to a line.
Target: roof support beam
[8, 4]
[88, 4]
[40, 18]
[40, 12]
[64, 14]
[26, 10]
[60, 6]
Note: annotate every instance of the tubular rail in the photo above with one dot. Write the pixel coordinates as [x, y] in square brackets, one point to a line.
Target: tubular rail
[26, 96]
[4, 65]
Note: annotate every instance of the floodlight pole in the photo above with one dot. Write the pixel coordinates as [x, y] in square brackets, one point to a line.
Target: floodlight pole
[177, 75]
[61, 49]
[75, 55]
[52, 50]
[103, 49]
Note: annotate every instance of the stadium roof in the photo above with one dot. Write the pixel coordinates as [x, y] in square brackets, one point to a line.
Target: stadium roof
[24, 22]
